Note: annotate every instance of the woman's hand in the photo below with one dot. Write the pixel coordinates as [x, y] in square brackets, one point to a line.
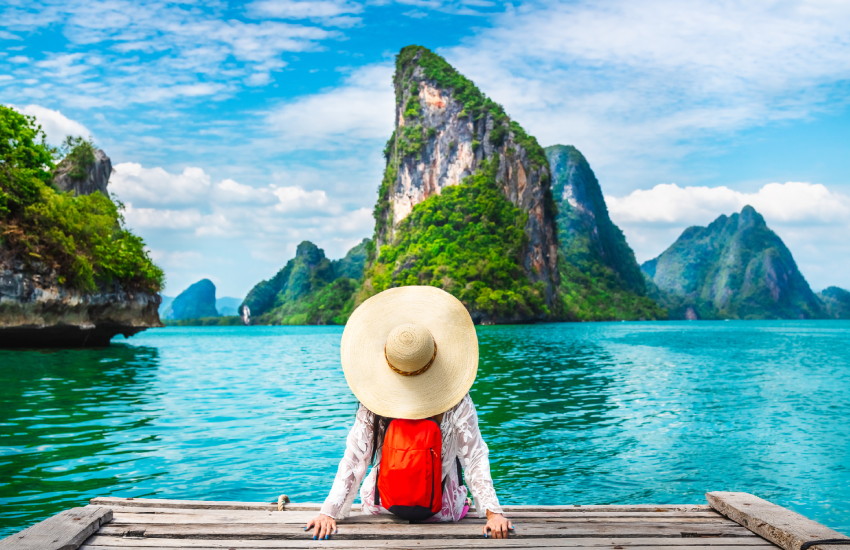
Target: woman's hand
[324, 526]
[497, 525]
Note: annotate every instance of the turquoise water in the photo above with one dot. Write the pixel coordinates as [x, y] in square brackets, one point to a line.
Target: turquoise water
[607, 413]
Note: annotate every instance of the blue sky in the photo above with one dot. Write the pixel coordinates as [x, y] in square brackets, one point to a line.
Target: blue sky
[238, 130]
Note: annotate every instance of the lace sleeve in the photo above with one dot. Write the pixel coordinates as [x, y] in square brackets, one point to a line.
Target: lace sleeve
[475, 457]
[352, 467]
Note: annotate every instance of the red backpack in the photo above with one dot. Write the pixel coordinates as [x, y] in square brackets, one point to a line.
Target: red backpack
[410, 473]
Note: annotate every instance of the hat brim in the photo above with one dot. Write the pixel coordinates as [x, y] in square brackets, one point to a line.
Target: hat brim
[436, 390]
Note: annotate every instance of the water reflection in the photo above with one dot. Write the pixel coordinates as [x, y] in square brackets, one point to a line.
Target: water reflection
[573, 413]
[66, 423]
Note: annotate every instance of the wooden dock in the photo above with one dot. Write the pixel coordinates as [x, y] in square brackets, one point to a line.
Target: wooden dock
[730, 521]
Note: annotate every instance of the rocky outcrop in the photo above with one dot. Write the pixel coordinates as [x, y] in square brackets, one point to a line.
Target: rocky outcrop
[736, 268]
[37, 311]
[836, 301]
[585, 231]
[96, 176]
[195, 302]
[447, 130]
[309, 290]
[600, 278]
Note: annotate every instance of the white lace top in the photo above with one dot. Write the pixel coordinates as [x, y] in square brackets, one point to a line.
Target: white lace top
[461, 439]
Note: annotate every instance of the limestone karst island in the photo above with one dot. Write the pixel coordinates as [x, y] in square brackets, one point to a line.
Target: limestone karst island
[269, 281]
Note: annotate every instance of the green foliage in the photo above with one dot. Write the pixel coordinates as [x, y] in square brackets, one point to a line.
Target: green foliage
[836, 301]
[83, 237]
[330, 305]
[412, 141]
[413, 107]
[310, 289]
[80, 154]
[592, 292]
[25, 161]
[468, 241]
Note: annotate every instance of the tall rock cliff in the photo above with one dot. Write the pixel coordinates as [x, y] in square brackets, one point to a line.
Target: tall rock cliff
[736, 268]
[600, 278]
[310, 289]
[195, 302]
[465, 202]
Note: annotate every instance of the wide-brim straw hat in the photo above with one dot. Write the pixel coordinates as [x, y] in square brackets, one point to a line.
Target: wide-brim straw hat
[410, 352]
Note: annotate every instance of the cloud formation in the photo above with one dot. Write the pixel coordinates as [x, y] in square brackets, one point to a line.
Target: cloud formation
[792, 202]
[56, 126]
[188, 215]
[361, 108]
[633, 84]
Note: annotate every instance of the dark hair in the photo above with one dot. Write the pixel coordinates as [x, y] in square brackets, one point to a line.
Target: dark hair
[379, 429]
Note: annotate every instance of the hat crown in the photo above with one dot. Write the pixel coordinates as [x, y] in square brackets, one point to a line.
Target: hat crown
[409, 347]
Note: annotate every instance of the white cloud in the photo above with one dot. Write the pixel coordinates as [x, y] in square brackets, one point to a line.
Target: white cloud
[636, 84]
[329, 12]
[792, 202]
[154, 186]
[55, 125]
[360, 109]
[189, 51]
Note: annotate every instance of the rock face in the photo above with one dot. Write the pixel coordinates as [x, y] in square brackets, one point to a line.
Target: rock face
[836, 301]
[310, 289]
[446, 131]
[96, 179]
[600, 278]
[195, 302]
[37, 311]
[736, 268]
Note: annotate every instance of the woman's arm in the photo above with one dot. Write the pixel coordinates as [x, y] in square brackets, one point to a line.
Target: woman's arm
[352, 468]
[475, 457]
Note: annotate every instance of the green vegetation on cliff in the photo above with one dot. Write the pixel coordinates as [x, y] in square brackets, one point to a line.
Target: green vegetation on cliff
[475, 103]
[836, 301]
[82, 237]
[310, 289]
[467, 241]
[736, 268]
[600, 278]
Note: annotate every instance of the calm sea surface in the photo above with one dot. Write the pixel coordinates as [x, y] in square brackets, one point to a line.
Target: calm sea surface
[606, 413]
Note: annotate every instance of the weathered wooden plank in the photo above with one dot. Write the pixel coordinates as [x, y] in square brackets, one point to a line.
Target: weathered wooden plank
[65, 531]
[308, 515]
[98, 542]
[305, 506]
[447, 530]
[779, 525]
[188, 504]
[301, 518]
[399, 545]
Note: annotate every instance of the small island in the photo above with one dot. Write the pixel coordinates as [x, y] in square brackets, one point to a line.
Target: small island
[71, 274]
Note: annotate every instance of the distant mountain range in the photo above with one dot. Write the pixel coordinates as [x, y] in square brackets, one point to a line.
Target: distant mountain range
[472, 204]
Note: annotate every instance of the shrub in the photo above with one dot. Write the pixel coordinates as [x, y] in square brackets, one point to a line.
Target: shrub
[82, 237]
[468, 241]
